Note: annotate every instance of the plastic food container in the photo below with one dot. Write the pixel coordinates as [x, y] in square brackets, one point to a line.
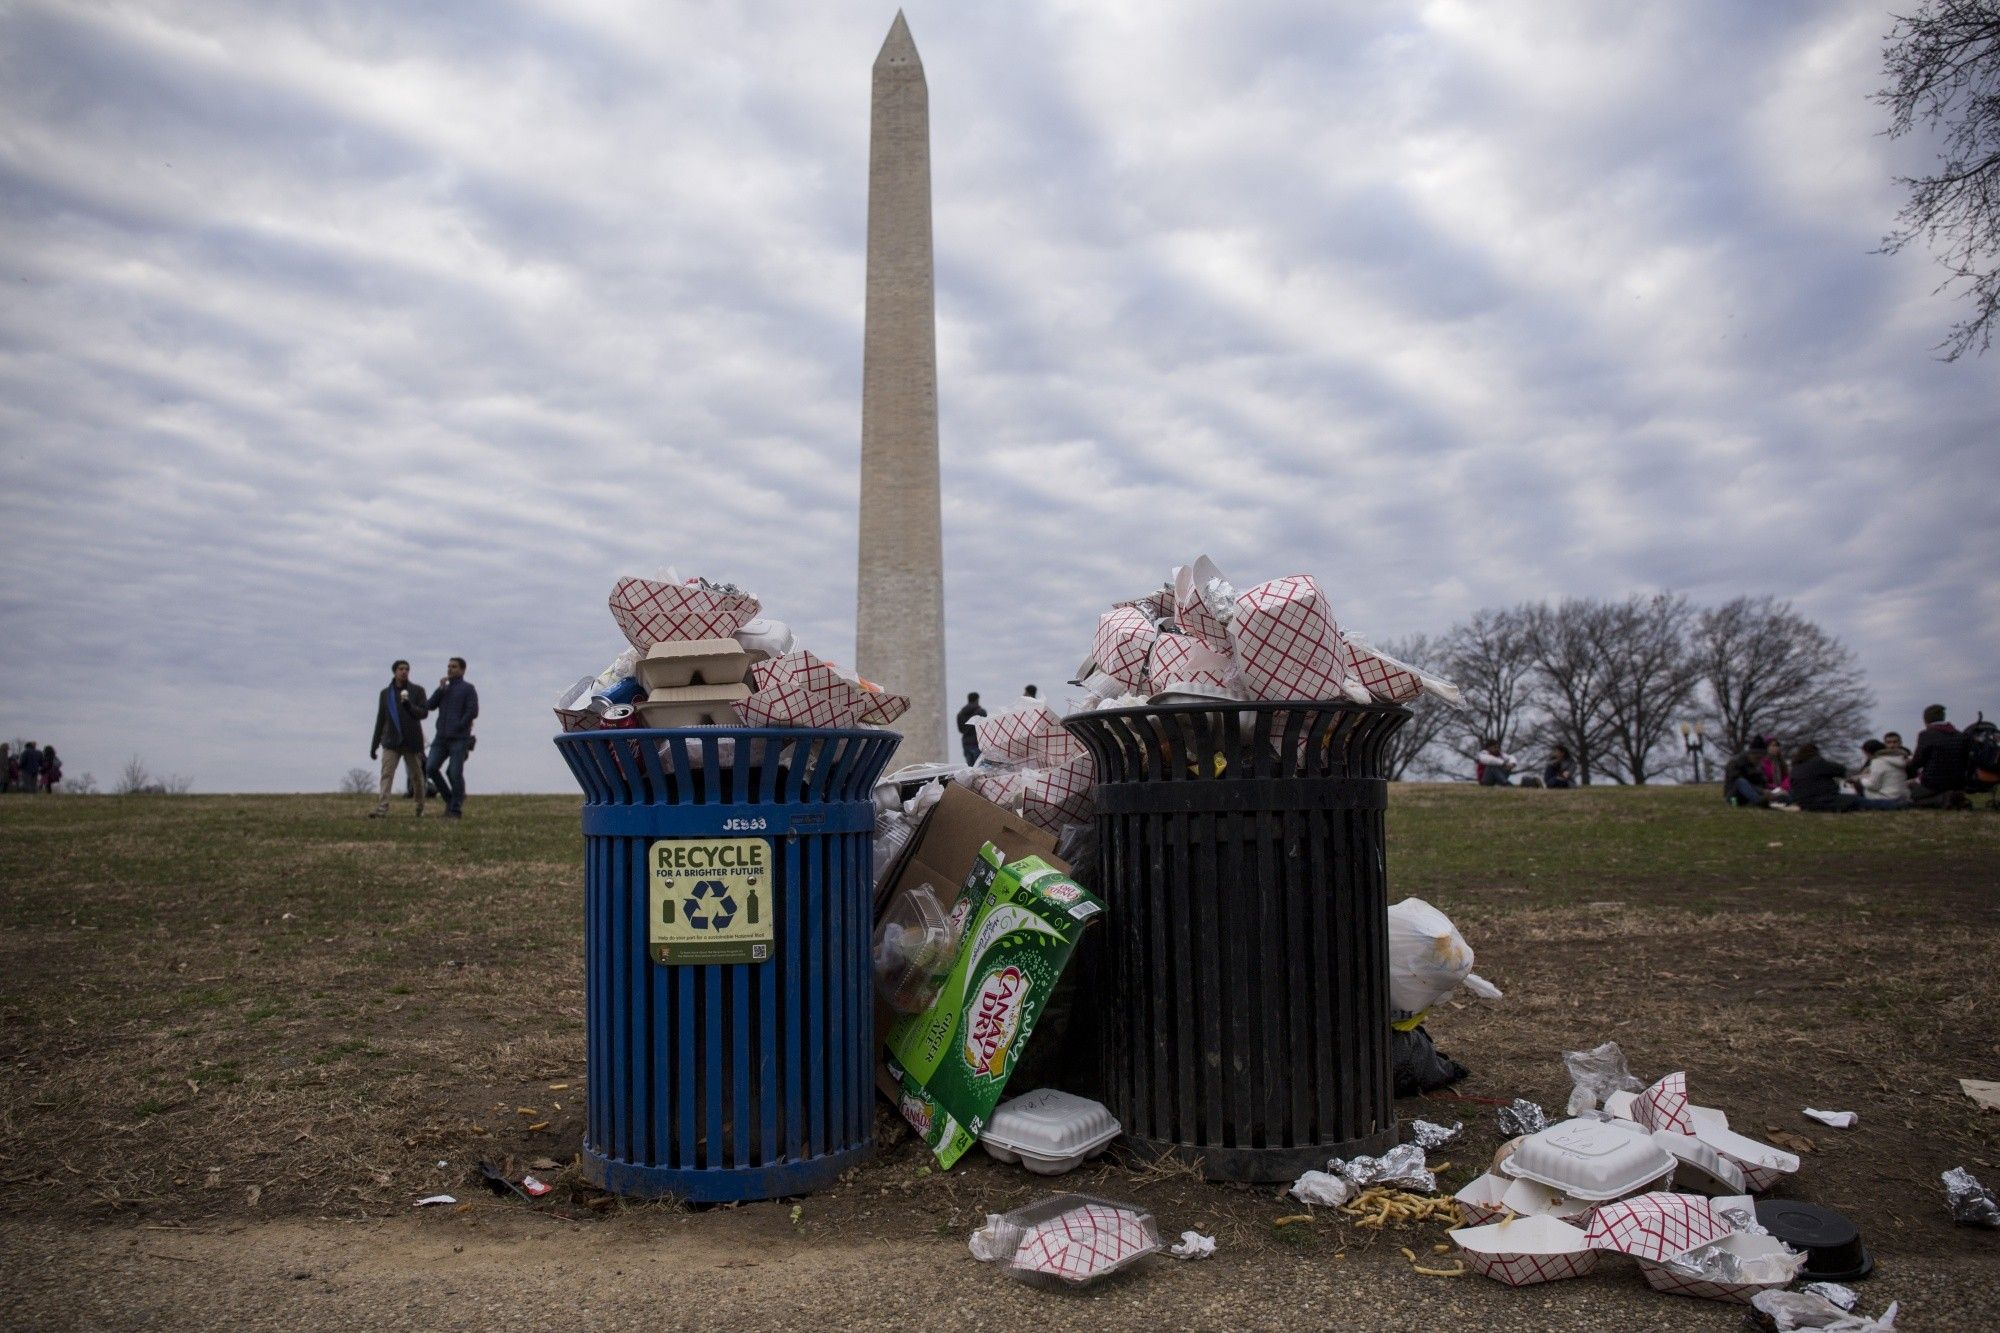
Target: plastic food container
[1049, 1131]
[1760, 1163]
[1702, 1168]
[915, 947]
[1526, 1250]
[1531, 1198]
[1067, 1240]
[1588, 1159]
[1833, 1248]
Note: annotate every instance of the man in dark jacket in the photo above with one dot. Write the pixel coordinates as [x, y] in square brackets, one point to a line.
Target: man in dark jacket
[1938, 770]
[456, 704]
[399, 735]
[968, 736]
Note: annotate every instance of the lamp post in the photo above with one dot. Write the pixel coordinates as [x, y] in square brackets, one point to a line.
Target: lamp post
[1691, 741]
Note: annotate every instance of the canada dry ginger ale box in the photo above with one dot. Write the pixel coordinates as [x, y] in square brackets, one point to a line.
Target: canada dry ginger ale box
[954, 1058]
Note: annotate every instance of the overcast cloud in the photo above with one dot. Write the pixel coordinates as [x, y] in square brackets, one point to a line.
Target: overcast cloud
[335, 333]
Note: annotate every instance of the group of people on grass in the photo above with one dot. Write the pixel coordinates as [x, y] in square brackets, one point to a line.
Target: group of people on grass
[1945, 769]
[400, 710]
[1947, 766]
[36, 769]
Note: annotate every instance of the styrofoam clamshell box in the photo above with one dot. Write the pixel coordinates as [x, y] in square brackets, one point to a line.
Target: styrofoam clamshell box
[672, 664]
[1782, 1262]
[1049, 1131]
[1702, 1169]
[1526, 1250]
[1589, 1160]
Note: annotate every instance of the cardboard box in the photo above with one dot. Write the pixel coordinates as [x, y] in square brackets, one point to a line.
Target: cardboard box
[955, 1058]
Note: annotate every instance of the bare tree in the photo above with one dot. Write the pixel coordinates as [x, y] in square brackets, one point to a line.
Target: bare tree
[1943, 66]
[1650, 674]
[1411, 751]
[84, 784]
[136, 780]
[1769, 671]
[357, 782]
[1571, 677]
[1490, 659]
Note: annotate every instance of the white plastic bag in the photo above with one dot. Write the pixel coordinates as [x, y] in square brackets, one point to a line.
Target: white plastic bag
[1428, 958]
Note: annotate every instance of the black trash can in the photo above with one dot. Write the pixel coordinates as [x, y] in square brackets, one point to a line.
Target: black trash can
[1243, 971]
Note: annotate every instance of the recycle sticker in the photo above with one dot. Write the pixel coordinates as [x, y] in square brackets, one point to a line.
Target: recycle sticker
[710, 901]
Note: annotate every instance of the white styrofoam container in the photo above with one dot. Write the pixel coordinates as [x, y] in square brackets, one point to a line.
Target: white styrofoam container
[1049, 1131]
[1531, 1198]
[1701, 1167]
[1588, 1159]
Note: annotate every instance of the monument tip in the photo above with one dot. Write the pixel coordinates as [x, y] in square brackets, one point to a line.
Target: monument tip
[898, 48]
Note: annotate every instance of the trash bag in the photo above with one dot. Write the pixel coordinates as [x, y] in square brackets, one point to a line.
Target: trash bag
[1419, 1065]
[1428, 960]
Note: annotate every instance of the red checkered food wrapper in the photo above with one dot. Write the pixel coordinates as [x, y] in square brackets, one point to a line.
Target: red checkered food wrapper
[1157, 607]
[1287, 645]
[1665, 1106]
[1391, 681]
[1052, 798]
[651, 612]
[1656, 1226]
[1523, 1251]
[800, 690]
[1204, 603]
[1026, 733]
[1124, 646]
[1181, 660]
[1088, 1241]
[1732, 1269]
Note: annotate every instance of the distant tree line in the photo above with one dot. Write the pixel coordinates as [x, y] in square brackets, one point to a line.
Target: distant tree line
[1613, 680]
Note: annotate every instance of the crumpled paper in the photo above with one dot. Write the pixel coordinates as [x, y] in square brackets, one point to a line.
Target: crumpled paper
[1522, 1117]
[1971, 1202]
[1595, 1074]
[801, 690]
[1838, 1119]
[994, 1239]
[1401, 1166]
[1193, 1245]
[1787, 1311]
[1322, 1188]
[1427, 1135]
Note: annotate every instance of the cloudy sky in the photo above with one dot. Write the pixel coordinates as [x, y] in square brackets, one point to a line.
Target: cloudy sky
[337, 332]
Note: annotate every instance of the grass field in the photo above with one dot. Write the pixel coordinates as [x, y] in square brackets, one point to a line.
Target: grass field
[237, 1030]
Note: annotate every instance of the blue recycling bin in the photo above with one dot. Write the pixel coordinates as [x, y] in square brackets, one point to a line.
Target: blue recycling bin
[728, 995]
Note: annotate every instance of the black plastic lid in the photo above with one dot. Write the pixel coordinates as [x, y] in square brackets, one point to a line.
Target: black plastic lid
[1834, 1252]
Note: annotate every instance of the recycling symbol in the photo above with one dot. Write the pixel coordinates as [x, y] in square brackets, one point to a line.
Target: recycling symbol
[713, 895]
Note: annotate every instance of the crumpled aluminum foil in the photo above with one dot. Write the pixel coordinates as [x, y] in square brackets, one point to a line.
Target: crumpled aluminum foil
[1787, 1311]
[1401, 1166]
[1713, 1263]
[1523, 1117]
[1427, 1135]
[1971, 1202]
[1596, 1074]
[1845, 1297]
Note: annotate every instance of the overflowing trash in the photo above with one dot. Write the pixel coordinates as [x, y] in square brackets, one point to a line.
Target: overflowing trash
[1066, 1240]
[1971, 1203]
[699, 655]
[951, 1061]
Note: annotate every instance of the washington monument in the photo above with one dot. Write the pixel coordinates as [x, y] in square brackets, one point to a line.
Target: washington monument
[900, 620]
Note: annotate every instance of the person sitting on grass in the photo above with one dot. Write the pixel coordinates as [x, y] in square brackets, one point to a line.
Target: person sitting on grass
[1885, 777]
[1494, 766]
[1743, 780]
[1560, 771]
[1777, 773]
[1938, 770]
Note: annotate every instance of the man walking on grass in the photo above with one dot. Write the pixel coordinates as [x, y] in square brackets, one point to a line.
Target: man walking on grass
[399, 735]
[456, 704]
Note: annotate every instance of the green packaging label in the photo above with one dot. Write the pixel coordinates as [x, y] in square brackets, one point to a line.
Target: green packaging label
[954, 1059]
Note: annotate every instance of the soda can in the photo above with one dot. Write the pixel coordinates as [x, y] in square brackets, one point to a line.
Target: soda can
[625, 691]
[620, 716]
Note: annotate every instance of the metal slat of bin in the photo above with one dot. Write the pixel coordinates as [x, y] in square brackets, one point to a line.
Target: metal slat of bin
[705, 1081]
[1240, 852]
